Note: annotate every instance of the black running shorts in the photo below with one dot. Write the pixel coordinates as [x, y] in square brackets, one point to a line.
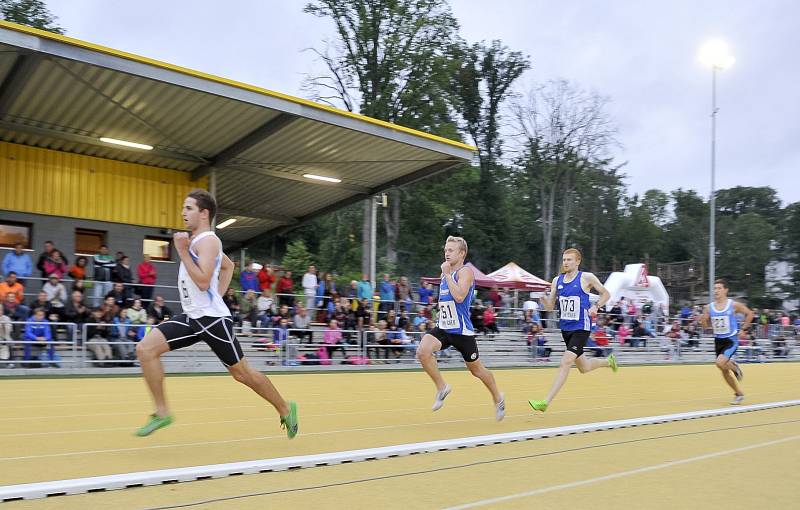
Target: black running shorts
[575, 340]
[183, 331]
[465, 344]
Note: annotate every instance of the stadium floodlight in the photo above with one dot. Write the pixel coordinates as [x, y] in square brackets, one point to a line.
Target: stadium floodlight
[126, 143]
[226, 223]
[716, 54]
[322, 178]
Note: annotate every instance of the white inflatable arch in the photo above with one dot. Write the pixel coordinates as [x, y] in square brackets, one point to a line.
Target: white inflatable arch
[635, 284]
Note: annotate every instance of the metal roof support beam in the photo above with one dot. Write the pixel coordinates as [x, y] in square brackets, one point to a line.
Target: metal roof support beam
[363, 190]
[89, 140]
[258, 215]
[247, 142]
[23, 68]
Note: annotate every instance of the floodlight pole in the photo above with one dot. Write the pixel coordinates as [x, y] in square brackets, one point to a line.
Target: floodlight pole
[712, 250]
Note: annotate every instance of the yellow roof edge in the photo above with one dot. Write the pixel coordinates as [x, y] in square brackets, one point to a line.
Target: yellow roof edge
[199, 74]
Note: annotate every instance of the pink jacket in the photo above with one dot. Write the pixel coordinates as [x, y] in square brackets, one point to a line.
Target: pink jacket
[332, 336]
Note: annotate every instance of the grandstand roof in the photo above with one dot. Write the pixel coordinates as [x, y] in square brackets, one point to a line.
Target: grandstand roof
[65, 94]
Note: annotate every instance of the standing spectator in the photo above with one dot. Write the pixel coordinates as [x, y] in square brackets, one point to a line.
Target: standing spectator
[17, 262]
[232, 302]
[301, 322]
[12, 286]
[286, 289]
[490, 320]
[55, 265]
[38, 333]
[159, 310]
[426, 293]
[136, 313]
[320, 294]
[6, 342]
[44, 256]
[118, 292]
[404, 294]
[494, 297]
[56, 294]
[148, 275]
[364, 288]
[310, 287]
[387, 293]
[266, 278]
[248, 279]
[103, 265]
[122, 273]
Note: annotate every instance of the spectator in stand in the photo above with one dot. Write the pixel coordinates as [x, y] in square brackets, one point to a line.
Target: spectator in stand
[158, 310]
[18, 262]
[248, 310]
[40, 302]
[249, 279]
[302, 322]
[364, 289]
[693, 334]
[45, 255]
[56, 294]
[640, 331]
[685, 314]
[476, 317]
[136, 313]
[266, 309]
[351, 293]
[55, 265]
[281, 334]
[387, 293]
[286, 289]
[119, 294]
[376, 337]
[494, 297]
[6, 342]
[12, 286]
[616, 314]
[97, 337]
[403, 320]
[674, 335]
[109, 310]
[148, 275]
[623, 334]
[231, 300]
[332, 338]
[330, 293]
[123, 274]
[363, 317]
[490, 320]
[125, 336]
[394, 337]
[310, 288]
[283, 313]
[266, 278]
[506, 301]
[404, 294]
[601, 340]
[38, 334]
[75, 310]
[78, 270]
[426, 293]
[341, 314]
[17, 311]
[103, 265]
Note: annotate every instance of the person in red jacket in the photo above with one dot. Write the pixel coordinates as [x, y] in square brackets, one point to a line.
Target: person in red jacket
[266, 278]
[490, 320]
[286, 286]
[147, 276]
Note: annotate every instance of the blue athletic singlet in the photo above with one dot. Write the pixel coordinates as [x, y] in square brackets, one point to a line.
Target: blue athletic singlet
[724, 321]
[453, 316]
[573, 305]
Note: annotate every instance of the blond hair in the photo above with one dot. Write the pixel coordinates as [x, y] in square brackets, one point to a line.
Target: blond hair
[460, 241]
[574, 251]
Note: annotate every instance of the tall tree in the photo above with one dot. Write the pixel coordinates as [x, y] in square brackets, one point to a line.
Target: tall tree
[33, 13]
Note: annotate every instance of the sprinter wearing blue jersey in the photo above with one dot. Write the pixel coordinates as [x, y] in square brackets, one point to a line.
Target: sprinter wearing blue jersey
[721, 317]
[454, 328]
[571, 289]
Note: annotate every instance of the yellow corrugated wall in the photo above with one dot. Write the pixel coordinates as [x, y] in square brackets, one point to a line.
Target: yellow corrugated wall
[59, 183]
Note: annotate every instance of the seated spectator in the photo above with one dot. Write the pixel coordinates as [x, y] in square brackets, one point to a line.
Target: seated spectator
[6, 342]
[231, 300]
[158, 310]
[78, 269]
[120, 295]
[75, 310]
[17, 262]
[623, 333]
[248, 310]
[55, 265]
[302, 322]
[376, 337]
[283, 313]
[285, 289]
[363, 316]
[12, 286]
[80, 286]
[266, 308]
[780, 348]
[332, 338]
[248, 279]
[640, 331]
[391, 317]
[109, 310]
[39, 335]
[125, 336]
[97, 335]
[136, 313]
[148, 276]
[14, 310]
[41, 302]
[281, 333]
[426, 293]
[397, 340]
[537, 342]
[490, 321]
[402, 320]
[56, 293]
[693, 334]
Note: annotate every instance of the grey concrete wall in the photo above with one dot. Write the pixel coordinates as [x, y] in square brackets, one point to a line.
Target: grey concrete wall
[119, 237]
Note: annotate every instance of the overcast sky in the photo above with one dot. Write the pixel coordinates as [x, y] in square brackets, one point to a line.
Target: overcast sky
[641, 54]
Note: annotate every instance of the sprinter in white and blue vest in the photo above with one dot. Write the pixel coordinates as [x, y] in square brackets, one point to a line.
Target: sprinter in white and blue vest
[721, 317]
[571, 290]
[454, 327]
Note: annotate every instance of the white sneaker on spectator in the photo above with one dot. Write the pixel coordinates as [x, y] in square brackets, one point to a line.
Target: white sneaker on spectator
[500, 408]
[440, 396]
[737, 399]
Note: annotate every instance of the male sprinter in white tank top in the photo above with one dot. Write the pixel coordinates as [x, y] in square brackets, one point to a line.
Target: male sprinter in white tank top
[204, 275]
[454, 327]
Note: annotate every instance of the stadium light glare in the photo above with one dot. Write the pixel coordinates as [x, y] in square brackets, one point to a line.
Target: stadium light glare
[322, 178]
[715, 53]
[126, 143]
[226, 223]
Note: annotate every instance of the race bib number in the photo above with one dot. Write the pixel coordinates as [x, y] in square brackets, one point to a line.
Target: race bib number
[721, 325]
[448, 317]
[185, 293]
[570, 308]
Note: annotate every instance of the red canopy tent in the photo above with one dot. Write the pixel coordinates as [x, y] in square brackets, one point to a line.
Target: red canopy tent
[481, 280]
[511, 276]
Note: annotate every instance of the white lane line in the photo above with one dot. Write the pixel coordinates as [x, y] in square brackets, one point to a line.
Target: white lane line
[646, 469]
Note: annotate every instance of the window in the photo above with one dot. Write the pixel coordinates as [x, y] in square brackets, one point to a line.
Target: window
[159, 248]
[88, 241]
[13, 232]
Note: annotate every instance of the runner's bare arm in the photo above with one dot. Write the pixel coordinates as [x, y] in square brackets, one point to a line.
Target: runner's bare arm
[201, 271]
[742, 308]
[459, 289]
[225, 274]
[705, 319]
[549, 299]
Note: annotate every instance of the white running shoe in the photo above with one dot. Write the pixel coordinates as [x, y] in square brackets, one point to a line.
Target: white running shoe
[500, 408]
[737, 399]
[440, 396]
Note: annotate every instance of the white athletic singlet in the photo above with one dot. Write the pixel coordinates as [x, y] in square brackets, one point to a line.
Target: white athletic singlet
[197, 303]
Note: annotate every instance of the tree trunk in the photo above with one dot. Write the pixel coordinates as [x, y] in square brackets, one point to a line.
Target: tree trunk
[594, 239]
[547, 229]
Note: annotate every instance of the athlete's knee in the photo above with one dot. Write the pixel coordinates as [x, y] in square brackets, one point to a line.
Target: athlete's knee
[582, 368]
[722, 364]
[146, 351]
[475, 369]
[242, 376]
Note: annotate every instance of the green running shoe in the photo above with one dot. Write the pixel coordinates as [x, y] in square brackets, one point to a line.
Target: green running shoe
[289, 422]
[156, 422]
[538, 405]
[612, 362]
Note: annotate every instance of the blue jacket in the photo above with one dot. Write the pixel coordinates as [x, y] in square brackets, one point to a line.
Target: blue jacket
[364, 290]
[20, 264]
[34, 329]
[249, 281]
[387, 291]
